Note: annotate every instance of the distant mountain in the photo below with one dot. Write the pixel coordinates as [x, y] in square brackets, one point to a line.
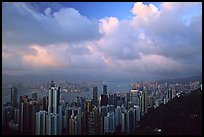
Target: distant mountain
[180, 116]
[181, 80]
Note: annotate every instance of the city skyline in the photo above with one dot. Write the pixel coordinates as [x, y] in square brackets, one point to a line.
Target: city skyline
[116, 114]
[120, 40]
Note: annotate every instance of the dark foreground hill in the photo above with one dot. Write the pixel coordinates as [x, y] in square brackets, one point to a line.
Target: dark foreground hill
[180, 116]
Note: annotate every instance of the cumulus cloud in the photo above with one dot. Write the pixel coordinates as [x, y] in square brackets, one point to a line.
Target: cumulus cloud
[163, 41]
[144, 12]
[41, 58]
[65, 25]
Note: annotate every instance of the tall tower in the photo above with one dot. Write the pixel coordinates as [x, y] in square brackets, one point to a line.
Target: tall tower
[109, 122]
[88, 107]
[105, 89]
[41, 122]
[95, 94]
[34, 96]
[169, 94]
[23, 113]
[54, 98]
[33, 107]
[14, 92]
[54, 110]
[94, 122]
[144, 101]
[52, 124]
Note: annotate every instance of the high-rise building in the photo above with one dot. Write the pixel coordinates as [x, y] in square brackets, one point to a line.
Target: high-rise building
[88, 107]
[73, 125]
[111, 99]
[7, 114]
[103, 110]
[115, 100]
[123, 121]
[60, 120]
[34, 96]
[54, 98]
[105, 90]
[137, 109]
[109, 123]
[169, 94]
[94, 122]
[150, 101]
[41, 122]
[45, 103]
[95, 95]
[33, 108]
[79, 118]
[13, 101]
[144, 101]
[16, 115]
[104, 100]
[23, 114]
[68, 113]
[127, 99]
[132, 120]
[118, 117]
[52, 124]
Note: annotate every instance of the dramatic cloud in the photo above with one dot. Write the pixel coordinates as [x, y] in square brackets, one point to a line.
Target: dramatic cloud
[65, 25]
[162, 42]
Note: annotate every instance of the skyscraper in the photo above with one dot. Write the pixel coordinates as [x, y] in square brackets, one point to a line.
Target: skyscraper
[23, 113]
[79, 117]
[88, 107]
[137, 109]
[132, 120]
[54, 98]
[95, 95]
[118, 116]
[104, 100]
[33, 107]
[73, 125]
[144, 104]
[41, 122]
[109, 123]
[14, 92]
[169, 94]
[45, 103]
[34, 96]
[105, 89]
[54, 117]
[95, 125]
[52, 124]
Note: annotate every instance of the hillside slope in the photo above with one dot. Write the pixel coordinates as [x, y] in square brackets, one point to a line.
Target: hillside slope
[181, 116]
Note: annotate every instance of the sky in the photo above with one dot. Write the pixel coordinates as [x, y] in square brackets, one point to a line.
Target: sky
[109, 40]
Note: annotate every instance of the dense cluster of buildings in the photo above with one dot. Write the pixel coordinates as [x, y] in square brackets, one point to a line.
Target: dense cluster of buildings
[107, 113]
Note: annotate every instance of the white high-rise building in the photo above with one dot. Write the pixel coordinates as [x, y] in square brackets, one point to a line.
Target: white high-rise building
[41, 122]
[54, 98]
